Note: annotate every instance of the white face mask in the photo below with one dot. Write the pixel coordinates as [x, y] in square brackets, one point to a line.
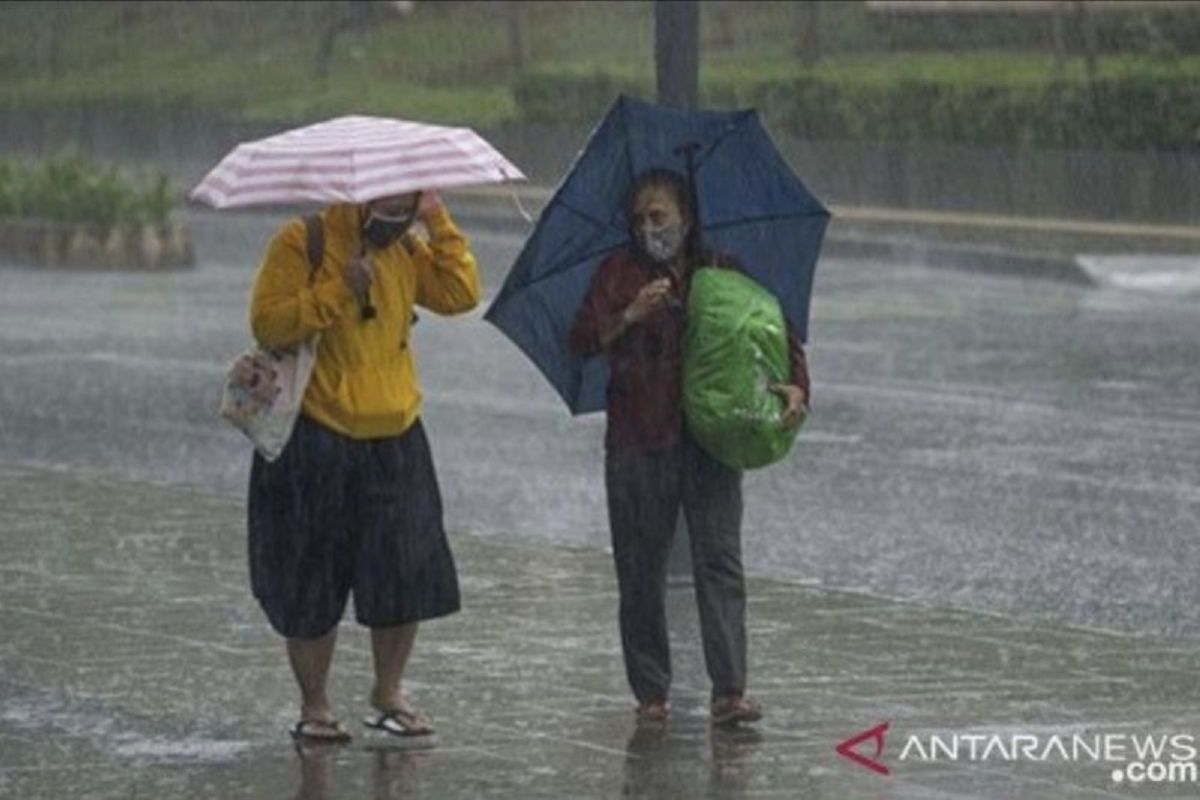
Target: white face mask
[661, 244]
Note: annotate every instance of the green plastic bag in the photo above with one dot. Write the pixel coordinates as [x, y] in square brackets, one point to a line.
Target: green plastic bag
[734, 347]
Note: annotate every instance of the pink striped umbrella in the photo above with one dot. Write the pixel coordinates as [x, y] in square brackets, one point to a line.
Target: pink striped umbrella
[352, 160]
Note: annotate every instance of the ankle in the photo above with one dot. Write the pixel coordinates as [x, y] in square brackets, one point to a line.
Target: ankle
[386, 699]
[316, 710]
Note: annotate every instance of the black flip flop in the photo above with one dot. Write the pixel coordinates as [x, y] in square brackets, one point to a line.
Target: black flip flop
[306, 732]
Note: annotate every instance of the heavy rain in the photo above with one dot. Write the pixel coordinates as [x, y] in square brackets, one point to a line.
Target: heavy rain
[986, 526]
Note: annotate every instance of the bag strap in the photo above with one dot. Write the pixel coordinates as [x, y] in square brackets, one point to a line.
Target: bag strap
[314, 230]
[314, 246]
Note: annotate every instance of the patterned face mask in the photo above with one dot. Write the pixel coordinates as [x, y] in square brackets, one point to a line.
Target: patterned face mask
[661, 244]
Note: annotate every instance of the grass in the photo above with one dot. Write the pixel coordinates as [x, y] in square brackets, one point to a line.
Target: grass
[264, 67]
[445, 61]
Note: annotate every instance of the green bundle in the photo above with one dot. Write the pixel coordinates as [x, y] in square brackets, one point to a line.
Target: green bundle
[735, 347]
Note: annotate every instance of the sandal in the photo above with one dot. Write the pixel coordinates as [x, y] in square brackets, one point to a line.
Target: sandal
[653, 711]
[734, 709]
[402, 722]
[319, 731]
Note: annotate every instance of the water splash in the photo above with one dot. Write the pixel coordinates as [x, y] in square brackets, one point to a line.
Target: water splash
[1175, 275]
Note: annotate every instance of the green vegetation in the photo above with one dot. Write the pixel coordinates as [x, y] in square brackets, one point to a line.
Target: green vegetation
[880, 76]
[987, 98]
[253, 61]
[70, 188]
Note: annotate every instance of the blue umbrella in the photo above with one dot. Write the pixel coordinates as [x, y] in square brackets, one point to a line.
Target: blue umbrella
[751, 205]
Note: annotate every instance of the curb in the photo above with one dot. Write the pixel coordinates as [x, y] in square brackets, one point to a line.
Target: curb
[965, 258]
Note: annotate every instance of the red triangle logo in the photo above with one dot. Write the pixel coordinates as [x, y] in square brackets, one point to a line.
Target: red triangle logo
[846, 748]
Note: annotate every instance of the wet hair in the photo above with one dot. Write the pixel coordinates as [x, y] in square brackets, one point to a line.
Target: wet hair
[660, 178]
[677, 185]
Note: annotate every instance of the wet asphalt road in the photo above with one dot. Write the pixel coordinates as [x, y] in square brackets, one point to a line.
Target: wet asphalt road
[1013, 445]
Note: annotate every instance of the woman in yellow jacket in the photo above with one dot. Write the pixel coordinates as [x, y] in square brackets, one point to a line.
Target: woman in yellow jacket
[352, 503]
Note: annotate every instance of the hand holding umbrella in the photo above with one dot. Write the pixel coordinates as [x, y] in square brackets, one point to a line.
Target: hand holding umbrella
[653, 296]
[430, 201]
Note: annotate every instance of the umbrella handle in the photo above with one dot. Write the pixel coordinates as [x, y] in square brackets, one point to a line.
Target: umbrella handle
[688, 151]
[366, 308]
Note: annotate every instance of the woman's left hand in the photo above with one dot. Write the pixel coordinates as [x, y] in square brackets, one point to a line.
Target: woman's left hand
[430, 201]
[795, 399]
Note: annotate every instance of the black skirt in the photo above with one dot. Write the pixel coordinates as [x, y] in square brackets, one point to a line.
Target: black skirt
[333, 515]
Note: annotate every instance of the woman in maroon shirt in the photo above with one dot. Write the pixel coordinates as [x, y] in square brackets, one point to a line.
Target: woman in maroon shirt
[634, 315]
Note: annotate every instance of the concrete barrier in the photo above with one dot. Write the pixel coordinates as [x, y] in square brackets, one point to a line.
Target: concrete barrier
[73, 245]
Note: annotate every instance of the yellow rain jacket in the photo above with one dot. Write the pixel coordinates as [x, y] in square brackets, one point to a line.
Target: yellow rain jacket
[364, 384]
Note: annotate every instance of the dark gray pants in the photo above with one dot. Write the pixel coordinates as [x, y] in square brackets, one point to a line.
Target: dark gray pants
[645, 492]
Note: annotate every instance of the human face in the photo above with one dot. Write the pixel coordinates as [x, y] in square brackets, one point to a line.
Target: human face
[658, 223]
[389, 218]
[655, 207]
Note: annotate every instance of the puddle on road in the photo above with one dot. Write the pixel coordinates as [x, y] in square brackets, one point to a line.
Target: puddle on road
[1173, 275]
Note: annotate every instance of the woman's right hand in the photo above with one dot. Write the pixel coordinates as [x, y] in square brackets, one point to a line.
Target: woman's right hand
[650, 298]
[359, 276]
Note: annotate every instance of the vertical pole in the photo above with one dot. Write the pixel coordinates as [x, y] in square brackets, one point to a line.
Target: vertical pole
[677, 52]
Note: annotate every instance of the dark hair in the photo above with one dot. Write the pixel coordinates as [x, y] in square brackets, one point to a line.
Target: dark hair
[677, 185]
[660, 178]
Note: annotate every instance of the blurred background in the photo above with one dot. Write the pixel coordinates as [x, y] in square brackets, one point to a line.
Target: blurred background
[1069, 109]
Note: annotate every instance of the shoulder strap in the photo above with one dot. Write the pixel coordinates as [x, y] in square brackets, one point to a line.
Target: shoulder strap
[314, 230]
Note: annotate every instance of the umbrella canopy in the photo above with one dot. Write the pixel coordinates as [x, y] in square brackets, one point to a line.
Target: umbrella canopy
[352, 160]
[751, 205]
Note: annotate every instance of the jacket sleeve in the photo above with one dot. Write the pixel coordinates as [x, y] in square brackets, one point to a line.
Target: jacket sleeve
[447, 276]
[284, 308]
[596, 313]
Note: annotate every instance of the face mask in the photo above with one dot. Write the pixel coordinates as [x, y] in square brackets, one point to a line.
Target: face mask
[661, 244]
[381, 231]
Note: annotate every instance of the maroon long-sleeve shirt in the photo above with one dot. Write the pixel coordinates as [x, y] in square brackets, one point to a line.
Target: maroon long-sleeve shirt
[645, 411]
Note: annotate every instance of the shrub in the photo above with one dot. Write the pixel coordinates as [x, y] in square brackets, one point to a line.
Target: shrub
[69, 188]
[564, 94]
[985, 100]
